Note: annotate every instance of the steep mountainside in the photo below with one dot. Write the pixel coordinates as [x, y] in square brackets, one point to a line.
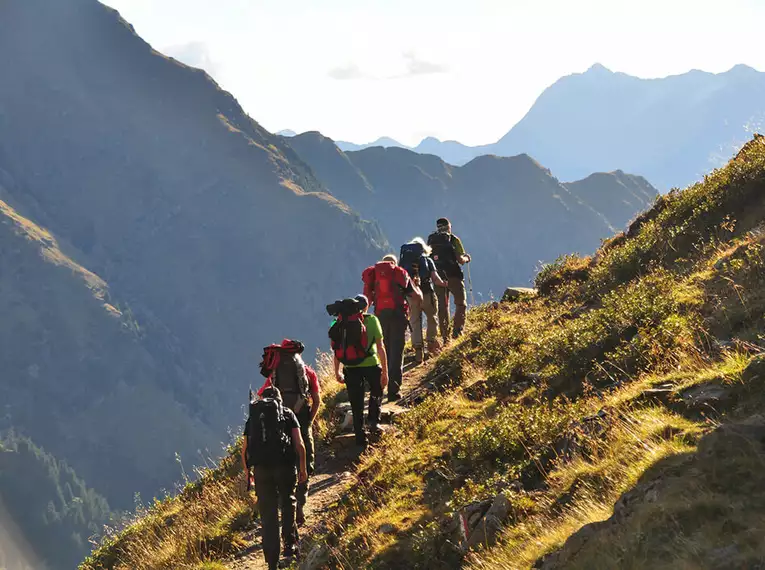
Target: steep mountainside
[140, 279]
[671, 130]
[510, 212]
[616, 195]
[616, 419]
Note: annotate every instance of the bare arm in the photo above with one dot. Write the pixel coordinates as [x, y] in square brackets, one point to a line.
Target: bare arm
[383, 361]
[297, 441]
[436, 278]
[416, 291]
[338, 375]
[315, 404]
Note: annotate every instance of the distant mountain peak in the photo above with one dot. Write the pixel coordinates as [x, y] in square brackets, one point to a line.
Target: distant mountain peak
[287, 133]
[598, 68]
[742, 68]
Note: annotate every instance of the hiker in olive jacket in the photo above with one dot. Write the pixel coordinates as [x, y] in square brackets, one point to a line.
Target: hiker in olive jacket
[274, 471]
[449, 255]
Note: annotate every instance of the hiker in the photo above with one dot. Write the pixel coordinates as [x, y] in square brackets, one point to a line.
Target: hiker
[414, 258]
[357, 344]
[270, 445]
[299, 386]
[449, 254]
[387, 286]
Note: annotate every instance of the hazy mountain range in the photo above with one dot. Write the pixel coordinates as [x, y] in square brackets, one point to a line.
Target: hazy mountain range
[511, 213]
[671, 130]
[154, 238]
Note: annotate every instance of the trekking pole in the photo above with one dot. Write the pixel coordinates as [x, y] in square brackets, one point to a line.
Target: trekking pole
[470, 285]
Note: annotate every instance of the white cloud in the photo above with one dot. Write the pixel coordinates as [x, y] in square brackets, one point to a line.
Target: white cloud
[417, 66]
[346, 72]
[194, 54]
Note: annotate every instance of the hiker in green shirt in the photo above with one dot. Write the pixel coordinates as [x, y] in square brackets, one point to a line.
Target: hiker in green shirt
[372, 370]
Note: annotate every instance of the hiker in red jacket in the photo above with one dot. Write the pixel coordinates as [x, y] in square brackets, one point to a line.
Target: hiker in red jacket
[387, 285]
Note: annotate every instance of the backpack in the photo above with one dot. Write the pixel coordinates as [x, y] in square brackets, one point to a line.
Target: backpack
[267, 441]
[444, 254]
[411, 258]
[291, 380]
[387, 292]
[348, 334]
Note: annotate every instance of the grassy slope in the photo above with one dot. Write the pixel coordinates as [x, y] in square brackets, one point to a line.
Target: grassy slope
[205, 521]
[584, 405]
[554, 401]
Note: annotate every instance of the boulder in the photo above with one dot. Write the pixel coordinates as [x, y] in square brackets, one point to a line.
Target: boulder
[515, 293]
[485, 533]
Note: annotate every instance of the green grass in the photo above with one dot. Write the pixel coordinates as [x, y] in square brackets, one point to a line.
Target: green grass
[549, 400]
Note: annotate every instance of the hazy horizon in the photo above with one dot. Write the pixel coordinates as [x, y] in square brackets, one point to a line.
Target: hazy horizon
[357, 71]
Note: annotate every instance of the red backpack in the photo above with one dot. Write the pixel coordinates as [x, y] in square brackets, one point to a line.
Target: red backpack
[349, 341]
[386, 287]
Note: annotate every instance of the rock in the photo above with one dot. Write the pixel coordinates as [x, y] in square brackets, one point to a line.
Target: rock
[725, 557]
[662, 394]
[755, 370]
[481, 507]
[485, 533]
[387, 528]
[316, 558]
[474, 519]
[707, 396]
[515, 293]
[500, 508]
[345, 441]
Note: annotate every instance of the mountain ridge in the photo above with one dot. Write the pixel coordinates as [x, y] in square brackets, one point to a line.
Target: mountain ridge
[405, 192]
[602, 120]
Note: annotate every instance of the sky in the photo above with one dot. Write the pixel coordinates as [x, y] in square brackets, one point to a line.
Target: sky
[456, 70]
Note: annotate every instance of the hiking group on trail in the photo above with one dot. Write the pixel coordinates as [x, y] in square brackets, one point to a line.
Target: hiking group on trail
[368, 351]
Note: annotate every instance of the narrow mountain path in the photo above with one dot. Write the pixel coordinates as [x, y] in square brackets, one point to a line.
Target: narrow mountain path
[333, 476]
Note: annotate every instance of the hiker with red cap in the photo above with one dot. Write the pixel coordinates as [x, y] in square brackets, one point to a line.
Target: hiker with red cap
[298, 384]
[387, 286]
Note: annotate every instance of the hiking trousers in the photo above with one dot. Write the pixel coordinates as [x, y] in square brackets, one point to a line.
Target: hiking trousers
[275, 488]
[304, 419]
[355, 379]
[456, 287]
[394, 324]
[428, 306]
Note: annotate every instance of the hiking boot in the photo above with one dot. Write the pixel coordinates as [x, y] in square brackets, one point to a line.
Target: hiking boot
[291, 551]
[418, 355]
[300, 515]
[433, 349]
[394, 397]
[457, 333]
[361, 440]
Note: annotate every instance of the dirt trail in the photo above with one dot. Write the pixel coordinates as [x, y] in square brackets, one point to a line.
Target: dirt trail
[332, 477]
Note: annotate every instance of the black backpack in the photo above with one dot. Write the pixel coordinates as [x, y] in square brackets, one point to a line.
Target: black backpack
[444, 254]
[348, 334]
[268, 442]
